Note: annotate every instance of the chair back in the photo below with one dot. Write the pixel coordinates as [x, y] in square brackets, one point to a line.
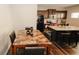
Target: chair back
[12, 36]
[32, 51]
[35, 51]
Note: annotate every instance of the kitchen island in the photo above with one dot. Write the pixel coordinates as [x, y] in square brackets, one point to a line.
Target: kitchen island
[64, 34]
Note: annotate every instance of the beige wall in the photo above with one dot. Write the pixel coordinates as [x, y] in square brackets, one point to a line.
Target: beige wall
[24, 15]
[14, 17]
[49, 7]
[5, 28]
[73, 22]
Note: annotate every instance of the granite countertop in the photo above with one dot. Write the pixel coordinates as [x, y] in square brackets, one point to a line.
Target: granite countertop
[65, 28]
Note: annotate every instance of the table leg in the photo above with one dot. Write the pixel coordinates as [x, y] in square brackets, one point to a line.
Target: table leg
[14, 50]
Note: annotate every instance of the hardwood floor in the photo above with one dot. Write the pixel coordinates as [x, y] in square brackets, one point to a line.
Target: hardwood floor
[65, 50]
[56, 50]
[72, 51]
[59, 50]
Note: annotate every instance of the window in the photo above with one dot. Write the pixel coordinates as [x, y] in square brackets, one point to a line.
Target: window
[75, 15]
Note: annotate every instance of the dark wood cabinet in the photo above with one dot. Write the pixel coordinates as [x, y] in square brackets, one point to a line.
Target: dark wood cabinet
[43, 12]
[54, 12]
[51, 12]
[61, 14]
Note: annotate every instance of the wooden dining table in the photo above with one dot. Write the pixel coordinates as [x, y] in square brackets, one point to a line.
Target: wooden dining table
[23, 40]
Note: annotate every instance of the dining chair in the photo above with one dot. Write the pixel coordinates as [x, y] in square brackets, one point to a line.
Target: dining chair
[32, 51]
[12, 38]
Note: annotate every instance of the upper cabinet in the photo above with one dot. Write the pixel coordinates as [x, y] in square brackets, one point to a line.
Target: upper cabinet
[43, 12]
[61, 14]
[53, 13]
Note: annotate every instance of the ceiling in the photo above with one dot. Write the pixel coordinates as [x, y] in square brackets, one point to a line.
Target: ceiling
[56, 5]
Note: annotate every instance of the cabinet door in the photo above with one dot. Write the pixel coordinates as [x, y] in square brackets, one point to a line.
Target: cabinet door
[61, 14]
[51, 12]
[43, 12]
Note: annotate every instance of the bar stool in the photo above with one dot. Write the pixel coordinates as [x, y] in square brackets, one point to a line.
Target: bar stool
[77, 38]
[64, 37]
[74, 38]
[48, 34]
